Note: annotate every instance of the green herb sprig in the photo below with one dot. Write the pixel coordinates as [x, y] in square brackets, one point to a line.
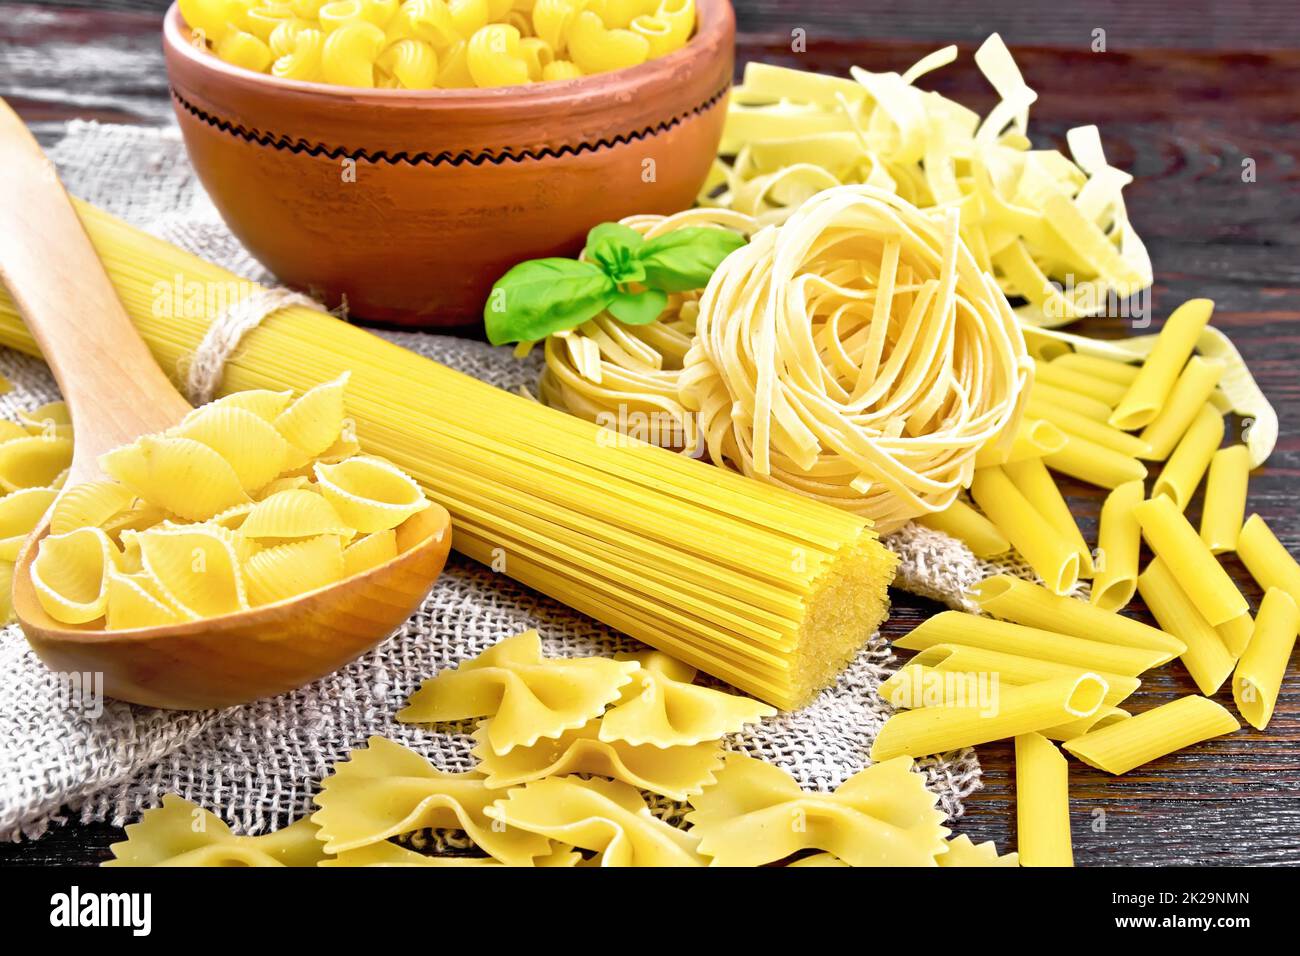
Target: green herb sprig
[621, 271]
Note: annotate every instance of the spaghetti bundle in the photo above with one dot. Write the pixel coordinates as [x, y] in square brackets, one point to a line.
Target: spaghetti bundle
[858, 355]
[626, 377]
[761, 588]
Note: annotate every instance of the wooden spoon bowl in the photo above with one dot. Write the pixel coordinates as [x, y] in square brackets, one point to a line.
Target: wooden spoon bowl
[115, 393]
[235, 658]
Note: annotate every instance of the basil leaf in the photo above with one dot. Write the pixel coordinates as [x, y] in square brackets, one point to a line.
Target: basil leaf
[684, 259]
[613, 247]
[543, 296]
[638, 308]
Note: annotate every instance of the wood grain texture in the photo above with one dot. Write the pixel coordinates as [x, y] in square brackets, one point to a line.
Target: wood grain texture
[1193, 24]
[1182, 122]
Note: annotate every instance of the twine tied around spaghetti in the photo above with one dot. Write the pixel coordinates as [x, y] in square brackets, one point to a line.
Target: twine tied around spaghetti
[202, 370]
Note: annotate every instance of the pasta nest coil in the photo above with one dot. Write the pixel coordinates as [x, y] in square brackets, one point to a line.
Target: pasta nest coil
[857, 354]
[626, 377]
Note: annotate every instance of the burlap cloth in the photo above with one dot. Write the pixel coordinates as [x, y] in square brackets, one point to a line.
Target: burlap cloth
[257, 766]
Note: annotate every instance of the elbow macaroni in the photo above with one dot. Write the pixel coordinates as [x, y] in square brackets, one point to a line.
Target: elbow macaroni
[451, 44]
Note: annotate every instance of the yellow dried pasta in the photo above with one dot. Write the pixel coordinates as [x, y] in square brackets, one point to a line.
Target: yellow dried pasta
[89, 505]
[181, 475]
[662, 707]
[674, 772]
[369, 552]
[1053, 229]
[33, 461]
[407, 45]
[386, 790]
[527, 696]
[70, 574]
[370, 494]
[249, 444]
[285, 571]
[180, 833]
[293, 513]
[882, 816]
[20, 511]
[197, 567]
[608, 817]
[216, 515]
[314, 421]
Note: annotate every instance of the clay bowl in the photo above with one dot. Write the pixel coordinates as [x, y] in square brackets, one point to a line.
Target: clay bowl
[411, 203]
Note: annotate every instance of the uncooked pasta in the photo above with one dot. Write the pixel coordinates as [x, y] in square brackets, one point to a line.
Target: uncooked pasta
[751, 584]
[626, 378]
[858, 355]
[252, 499]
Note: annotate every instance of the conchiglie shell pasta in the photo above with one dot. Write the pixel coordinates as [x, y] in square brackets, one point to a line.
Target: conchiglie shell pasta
[369, 552]
[131, 605]
[19, 514]
[283, 483]
[294, 514]
[33, 461]
[262, 402]
[288, 570]
[313, 423]
[50, 420]
[70, 575]
[197, 568]
[370, 494]
[181, 475]
[89, 505]
[249, 444]
[10, 430]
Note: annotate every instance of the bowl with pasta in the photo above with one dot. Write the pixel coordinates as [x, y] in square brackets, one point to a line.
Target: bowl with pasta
[397, 157]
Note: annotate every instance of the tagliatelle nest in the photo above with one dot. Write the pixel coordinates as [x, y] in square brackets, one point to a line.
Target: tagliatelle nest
[857, 354]
[625, 377]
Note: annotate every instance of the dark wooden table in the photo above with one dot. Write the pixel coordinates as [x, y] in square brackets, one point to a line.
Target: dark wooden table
[1183, 99]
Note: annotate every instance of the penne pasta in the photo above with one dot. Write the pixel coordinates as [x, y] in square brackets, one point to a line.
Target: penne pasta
[1104, 717]
[1032, 480]
[1013, 668]
[916, 685]
[1155, 380]
[1053, 557]
[1034, 439]
[1200, 576]
[971, 630]
[1021, 602]
[1016, 710]
[1164, 730]
[1236, 633]
[1258, 678]
[1042, 803]
[1099, 433]
[1268, 562]
[1206, 657]
[1098, 367]
[959, 520]
[1186, 466]
[1119, 538]
[1082, 383]
[1096, 464]
[1089, 407]
[1192, 390]
[1225, 498]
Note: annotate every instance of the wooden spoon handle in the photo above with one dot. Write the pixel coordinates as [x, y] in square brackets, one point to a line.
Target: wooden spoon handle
[105, 371]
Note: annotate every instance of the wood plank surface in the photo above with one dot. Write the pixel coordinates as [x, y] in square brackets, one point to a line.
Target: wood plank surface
[1181, 121]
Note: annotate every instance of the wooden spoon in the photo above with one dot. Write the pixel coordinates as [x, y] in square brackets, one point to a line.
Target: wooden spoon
[116, 392]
